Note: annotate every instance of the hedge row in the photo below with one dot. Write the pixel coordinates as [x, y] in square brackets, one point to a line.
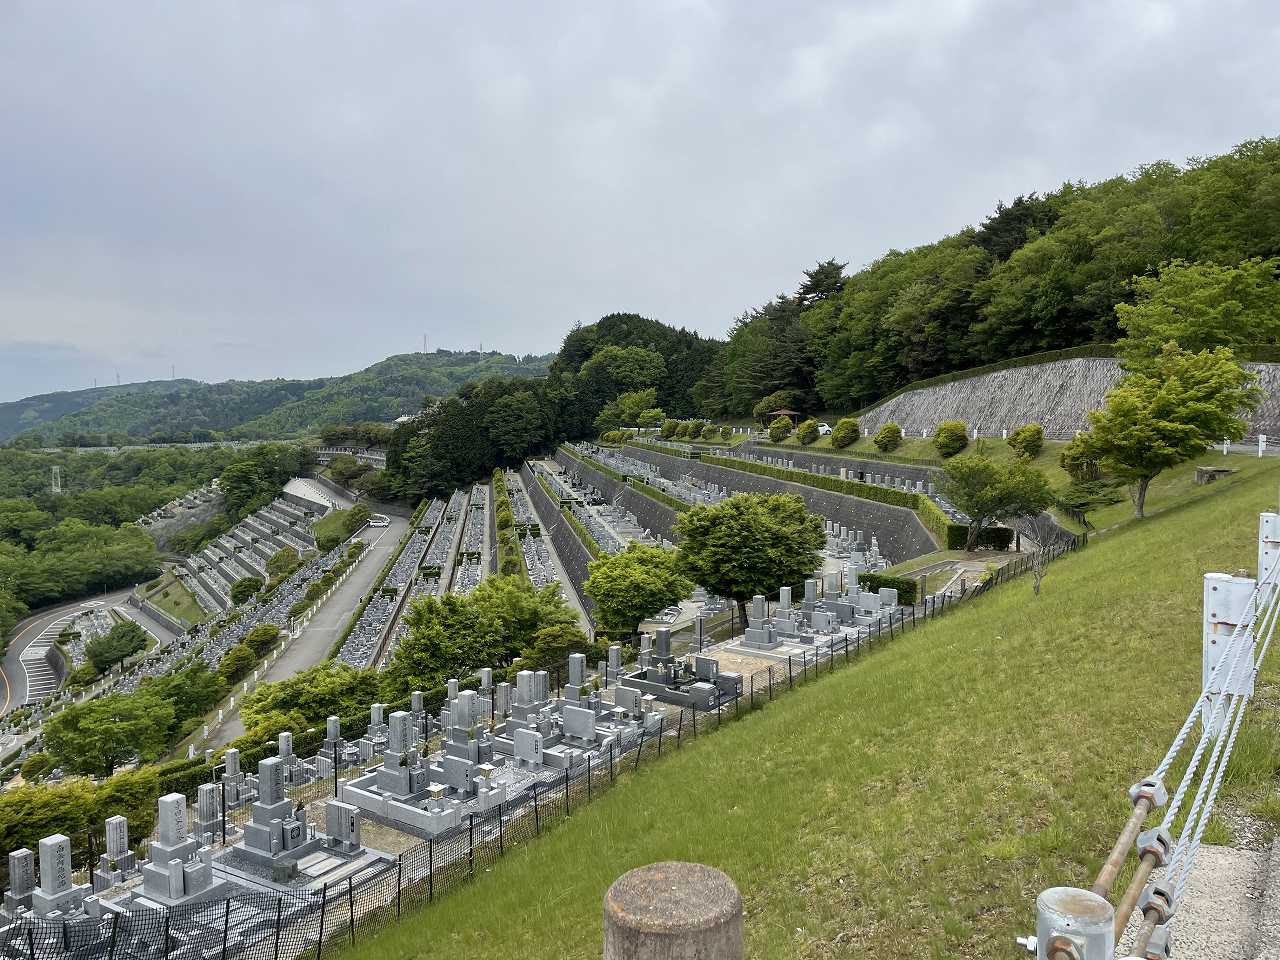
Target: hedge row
[872, 455]
[510, 553]
[676, 504]
[906, 587]
[583, 533]
[662, 448]
[854, 488]
[664, 498]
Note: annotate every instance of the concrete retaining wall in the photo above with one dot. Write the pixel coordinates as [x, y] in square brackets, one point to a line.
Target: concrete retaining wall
[898, 530]
[609, 488]
[657, 518]
[807, 460]
[1056, 395]
[573, 555]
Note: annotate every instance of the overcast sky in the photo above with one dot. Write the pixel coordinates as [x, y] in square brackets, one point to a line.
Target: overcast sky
[300, 189]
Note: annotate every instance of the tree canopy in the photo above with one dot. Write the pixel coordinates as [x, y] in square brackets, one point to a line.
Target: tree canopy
[121, 641]
[1168, 413]
[750, 543]
[97, 736]
[630, 586]
[990, 492]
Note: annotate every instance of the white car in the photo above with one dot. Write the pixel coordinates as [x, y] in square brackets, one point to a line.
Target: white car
[379, 520]
[824, 429]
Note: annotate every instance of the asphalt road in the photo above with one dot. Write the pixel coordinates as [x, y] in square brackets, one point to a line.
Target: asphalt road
[13, 676]
[328, 622]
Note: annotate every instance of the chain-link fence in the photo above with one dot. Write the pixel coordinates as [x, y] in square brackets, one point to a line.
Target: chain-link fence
[270, 925]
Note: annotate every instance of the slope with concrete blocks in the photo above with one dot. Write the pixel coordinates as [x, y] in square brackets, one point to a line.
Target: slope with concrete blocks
[1057, 395]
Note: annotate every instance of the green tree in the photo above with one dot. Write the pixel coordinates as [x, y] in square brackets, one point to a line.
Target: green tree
[780, 429]
[243, 590]
[778, 400]
[749, 544]
[1027, 441]
[236, 663]
[1154, 420]
[452, 635]
[97, 736]
[630, 586]
[345, 468]
[262, 638]
[241, 485]
[888, 438]
[807, 432]
[1199, 306]
[669, 427]
[121, 641]
[517, 426]
[331, 688]
[36, 766]
[990, 492]
[283, 562]
[845, 432]
[950, 437]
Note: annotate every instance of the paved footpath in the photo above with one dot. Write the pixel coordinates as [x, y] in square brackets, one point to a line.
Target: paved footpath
[328, 622]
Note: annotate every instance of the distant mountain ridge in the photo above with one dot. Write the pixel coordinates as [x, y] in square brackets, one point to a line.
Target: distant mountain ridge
[167, 410]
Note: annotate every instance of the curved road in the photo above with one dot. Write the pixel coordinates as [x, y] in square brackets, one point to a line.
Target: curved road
[13, 676]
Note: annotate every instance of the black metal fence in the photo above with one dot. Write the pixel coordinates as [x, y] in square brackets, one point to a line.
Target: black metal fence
[271, 925]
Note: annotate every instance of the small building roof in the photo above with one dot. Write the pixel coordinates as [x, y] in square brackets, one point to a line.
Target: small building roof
[784, 413]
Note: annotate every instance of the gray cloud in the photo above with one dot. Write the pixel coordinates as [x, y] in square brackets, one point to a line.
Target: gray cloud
[330, 181]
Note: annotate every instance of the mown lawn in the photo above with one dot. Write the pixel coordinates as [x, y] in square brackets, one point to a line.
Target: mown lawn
[912, 804]
[179, 603]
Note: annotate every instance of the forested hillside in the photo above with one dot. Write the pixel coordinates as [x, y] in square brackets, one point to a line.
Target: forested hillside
[1040, 273]
[57, 547]
[187, 410]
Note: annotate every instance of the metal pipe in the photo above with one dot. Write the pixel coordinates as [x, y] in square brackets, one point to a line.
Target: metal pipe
[1120, 852]
[1143, 939]
[1124, 909]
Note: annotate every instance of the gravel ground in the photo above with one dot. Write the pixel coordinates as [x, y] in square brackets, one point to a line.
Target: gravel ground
[1222, 906]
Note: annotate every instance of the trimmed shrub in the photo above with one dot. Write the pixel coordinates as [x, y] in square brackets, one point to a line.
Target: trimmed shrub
[846, 431]
[951, 437]
[726, 432]
[780, 429]
[669, 428]
[888, 437]
[906, 587]
[1079, 463]
[612, 436]
[710, 432]
[807, 432]
[1027, 441]
[681, 431]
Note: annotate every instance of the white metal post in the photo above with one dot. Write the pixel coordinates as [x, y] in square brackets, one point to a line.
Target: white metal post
[1226, 606]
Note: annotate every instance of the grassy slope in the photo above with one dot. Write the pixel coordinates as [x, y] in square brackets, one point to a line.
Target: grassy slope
[913, 804]
[180, 603]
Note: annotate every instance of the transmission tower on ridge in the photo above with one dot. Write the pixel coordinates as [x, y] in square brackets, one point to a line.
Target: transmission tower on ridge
[55, 485]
